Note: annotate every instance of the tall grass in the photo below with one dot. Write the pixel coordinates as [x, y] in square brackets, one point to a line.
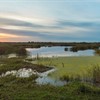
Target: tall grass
[96, 74]
[92, 76]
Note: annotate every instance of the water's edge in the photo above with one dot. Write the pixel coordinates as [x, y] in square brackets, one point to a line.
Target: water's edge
[42, 79]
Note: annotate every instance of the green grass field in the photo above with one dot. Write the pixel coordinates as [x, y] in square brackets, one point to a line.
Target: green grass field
[70, 65]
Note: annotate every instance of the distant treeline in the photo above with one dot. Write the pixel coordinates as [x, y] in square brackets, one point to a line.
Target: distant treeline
[19, 47]
[40, 44]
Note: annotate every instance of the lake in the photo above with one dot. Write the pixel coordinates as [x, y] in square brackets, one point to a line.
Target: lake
[57, 51]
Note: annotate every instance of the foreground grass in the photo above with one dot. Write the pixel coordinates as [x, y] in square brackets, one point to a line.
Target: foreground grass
[12, 88]
[70, 65]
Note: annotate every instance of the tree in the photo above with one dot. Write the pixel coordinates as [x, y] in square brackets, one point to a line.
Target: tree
[2, 51]
[21, 51]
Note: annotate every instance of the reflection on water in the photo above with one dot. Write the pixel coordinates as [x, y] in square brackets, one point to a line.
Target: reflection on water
[45, 79]
[48, 80]
[57, 51]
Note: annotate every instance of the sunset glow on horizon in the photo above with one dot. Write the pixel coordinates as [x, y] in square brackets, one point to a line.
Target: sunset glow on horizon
[4, 37]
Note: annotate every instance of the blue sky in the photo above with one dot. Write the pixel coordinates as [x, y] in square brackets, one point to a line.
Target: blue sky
[50, 20]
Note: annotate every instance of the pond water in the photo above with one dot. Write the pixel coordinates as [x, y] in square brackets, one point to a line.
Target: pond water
[57, 51]
[45, 79]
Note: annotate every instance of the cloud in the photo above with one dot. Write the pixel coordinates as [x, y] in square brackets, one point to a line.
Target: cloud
[46, 30]
[18, 28]
[32, 20]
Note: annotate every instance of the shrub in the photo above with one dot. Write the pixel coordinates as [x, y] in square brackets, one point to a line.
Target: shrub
[84, 88]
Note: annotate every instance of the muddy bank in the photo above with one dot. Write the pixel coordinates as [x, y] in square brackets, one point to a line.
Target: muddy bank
[27, 72]
[35, 67]
[38, 68]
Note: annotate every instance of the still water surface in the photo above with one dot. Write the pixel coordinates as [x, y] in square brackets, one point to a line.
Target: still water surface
[57, 51]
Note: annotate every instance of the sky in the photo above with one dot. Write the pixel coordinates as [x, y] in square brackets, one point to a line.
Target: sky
[50, 20]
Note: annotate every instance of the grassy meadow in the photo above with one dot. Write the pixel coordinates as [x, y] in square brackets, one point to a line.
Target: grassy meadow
[70, 65]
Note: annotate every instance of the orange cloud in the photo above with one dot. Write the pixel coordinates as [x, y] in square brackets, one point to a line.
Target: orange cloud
[5, 37]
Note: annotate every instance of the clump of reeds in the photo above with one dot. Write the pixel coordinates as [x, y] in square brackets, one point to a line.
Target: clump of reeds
[96, 74]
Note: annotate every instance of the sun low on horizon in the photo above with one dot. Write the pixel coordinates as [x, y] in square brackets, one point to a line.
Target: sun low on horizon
[49, 20]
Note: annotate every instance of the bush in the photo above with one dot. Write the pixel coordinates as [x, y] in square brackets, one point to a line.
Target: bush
[97, 51]
[65, 78]
[83, 88]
